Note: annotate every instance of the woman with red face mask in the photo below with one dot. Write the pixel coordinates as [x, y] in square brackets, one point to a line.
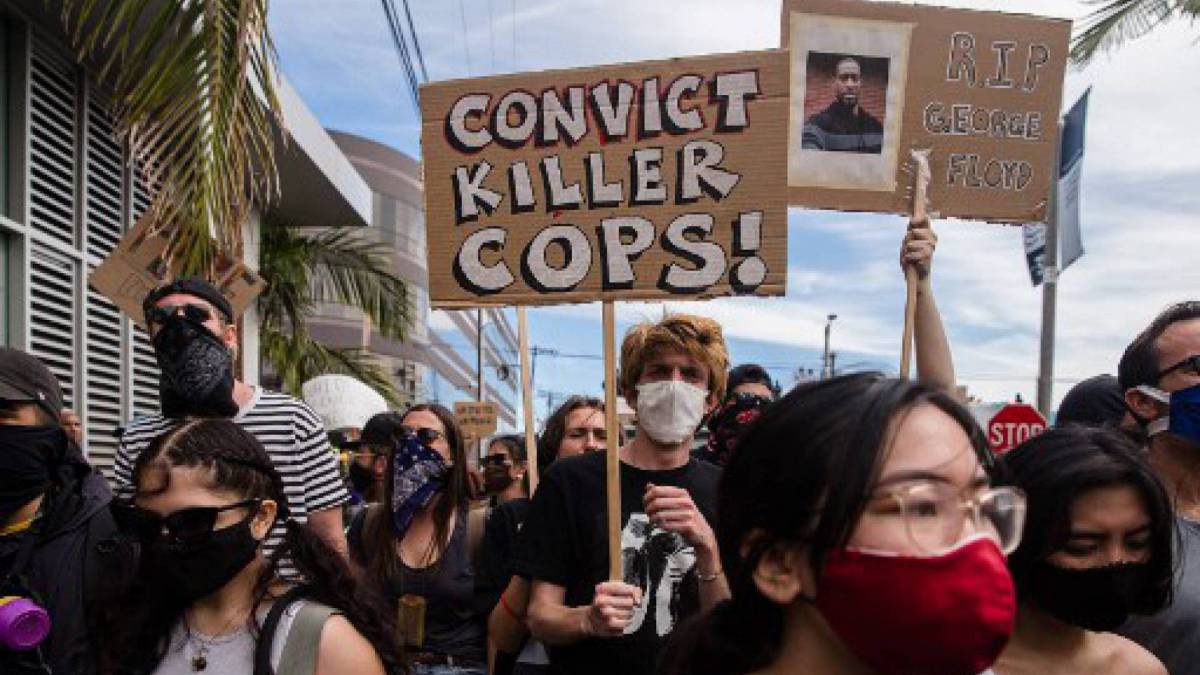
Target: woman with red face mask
[859, 535]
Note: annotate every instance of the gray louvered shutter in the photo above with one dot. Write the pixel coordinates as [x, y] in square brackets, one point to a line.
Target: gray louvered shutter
[52, 145]
[106, 328]
[53, 281]
[144, 398]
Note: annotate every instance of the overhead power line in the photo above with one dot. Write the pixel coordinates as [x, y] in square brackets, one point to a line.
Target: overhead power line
[401, 44]
[412, 29]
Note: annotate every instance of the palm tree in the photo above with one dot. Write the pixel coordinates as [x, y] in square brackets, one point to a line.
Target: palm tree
[1119, 21]
[333, 266]
[193, 92]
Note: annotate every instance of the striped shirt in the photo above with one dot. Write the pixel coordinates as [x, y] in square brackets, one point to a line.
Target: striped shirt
[293, 437]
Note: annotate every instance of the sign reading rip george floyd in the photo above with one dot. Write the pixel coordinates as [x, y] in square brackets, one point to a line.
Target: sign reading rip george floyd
[644, 180]
[873, 80]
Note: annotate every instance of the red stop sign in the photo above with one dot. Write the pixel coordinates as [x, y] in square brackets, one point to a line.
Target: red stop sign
[1013, 425]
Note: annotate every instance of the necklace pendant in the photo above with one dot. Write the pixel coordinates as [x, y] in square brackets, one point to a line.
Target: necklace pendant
[199, 662]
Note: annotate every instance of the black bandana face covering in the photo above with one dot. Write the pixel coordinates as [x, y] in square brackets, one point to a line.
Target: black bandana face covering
[1095, 598]
[196, 371]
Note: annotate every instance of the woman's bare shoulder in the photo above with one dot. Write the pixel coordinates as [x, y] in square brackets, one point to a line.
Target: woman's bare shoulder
[1121, 655]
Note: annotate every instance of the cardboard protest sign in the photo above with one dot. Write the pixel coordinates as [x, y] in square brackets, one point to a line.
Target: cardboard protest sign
[139, 264]
[645, 180]
[476, 418]
[872, 81]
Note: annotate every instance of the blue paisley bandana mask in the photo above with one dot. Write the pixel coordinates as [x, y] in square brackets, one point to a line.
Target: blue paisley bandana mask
[418, 475]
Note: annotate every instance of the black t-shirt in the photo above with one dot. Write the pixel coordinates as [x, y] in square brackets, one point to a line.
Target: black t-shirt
[496, 552]
[565, 541]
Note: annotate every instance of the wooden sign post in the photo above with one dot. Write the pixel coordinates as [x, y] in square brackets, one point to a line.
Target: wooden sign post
[920, 201]
[531, 456]
[612, 428]
[654, 180]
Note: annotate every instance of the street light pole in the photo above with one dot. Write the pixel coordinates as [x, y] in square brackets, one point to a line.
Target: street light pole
[827, 368]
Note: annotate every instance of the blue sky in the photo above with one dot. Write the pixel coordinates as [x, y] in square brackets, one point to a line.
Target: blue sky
[1140, 195]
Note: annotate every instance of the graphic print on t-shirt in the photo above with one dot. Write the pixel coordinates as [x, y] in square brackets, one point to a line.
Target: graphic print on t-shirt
[656, 561]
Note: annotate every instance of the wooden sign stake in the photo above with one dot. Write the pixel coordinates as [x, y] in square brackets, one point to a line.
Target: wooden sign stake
[615, 573]
[921, 177]
[527, 400]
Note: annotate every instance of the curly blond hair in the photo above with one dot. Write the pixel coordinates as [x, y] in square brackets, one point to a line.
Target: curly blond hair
[697, 336]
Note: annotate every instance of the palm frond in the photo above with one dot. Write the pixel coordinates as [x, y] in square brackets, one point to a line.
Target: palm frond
[297, 358]
[1119, 21]
[283, 260]
[350, 270]
[194, 99]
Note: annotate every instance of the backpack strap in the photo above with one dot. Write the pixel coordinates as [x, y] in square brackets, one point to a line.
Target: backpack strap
[303, 643]
[266, 636]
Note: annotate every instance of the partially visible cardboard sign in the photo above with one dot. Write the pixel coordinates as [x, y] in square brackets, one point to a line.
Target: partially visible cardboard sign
[138, 265]
[476, 419]
[342, 402]
[661, 179]
[872, 81]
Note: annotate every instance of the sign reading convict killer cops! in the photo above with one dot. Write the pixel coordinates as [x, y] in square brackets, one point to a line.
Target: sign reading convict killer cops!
[872, 81]
[644, 180]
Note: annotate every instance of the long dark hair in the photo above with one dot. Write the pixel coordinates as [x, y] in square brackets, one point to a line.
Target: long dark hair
[802, 476]
[139, 623]
[556, 427]
[380, 539]
[1061, 464]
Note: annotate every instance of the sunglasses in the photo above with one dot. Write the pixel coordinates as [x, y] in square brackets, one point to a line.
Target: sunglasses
[494, 460]
[424, 435]
[1190, 364]
[186, 527]
[160, 314]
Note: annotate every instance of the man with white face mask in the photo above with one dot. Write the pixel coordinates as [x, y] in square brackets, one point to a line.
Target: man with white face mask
[1160, 375]
[673, 373]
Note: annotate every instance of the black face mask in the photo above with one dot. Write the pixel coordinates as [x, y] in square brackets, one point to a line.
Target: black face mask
[496, 479]
[361, 478]
[192, 572]
[196, 370]
[1096, 598]
[28, 456]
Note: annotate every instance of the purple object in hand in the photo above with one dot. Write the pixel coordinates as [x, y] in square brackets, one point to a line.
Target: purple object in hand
[23, 624]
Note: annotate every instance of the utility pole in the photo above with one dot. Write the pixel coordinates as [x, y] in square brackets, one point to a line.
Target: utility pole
[1045, 381]
[827, 368]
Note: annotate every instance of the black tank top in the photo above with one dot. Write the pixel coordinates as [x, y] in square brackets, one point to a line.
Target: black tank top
[452, 624]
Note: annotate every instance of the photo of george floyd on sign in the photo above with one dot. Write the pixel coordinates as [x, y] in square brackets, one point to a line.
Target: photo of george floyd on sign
[652, 180]
[873, 81]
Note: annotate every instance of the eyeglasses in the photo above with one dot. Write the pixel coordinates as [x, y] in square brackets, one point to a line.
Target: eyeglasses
[161, 313]
[425, 435]
[185, 527]
[1191, 364]
[496, 459]
[935, 514]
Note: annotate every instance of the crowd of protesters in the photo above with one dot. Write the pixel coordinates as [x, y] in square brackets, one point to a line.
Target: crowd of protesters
[857, 524]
